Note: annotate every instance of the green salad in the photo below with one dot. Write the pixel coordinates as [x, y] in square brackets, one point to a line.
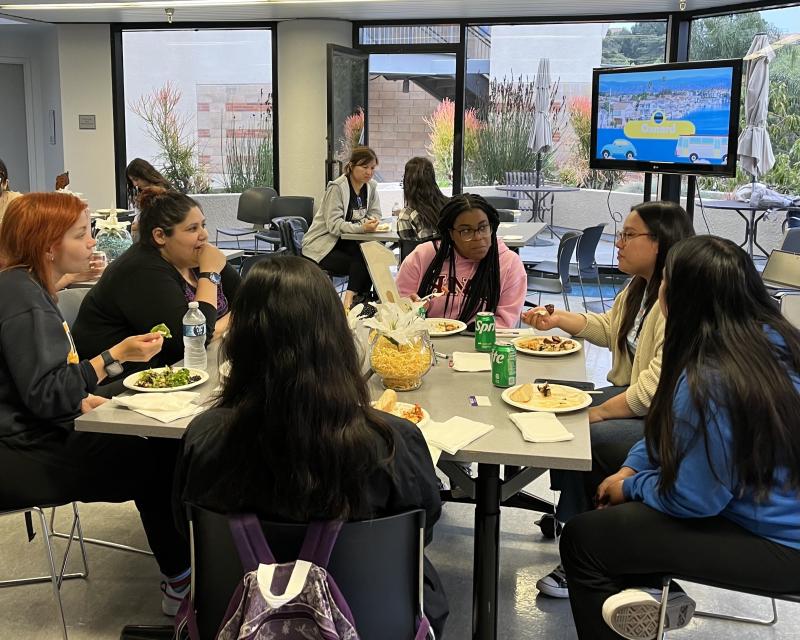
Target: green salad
[162, 329]
[166, 378]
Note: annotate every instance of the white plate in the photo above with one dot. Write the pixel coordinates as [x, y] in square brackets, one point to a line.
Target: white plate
[532, 406]
[531, 352]
[130, 381]
[106, 212]
[510, 237]
[436, 333]
[405, 406]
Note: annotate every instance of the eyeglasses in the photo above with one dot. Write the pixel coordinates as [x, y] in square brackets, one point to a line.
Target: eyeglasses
[624, 236]
[468, 235]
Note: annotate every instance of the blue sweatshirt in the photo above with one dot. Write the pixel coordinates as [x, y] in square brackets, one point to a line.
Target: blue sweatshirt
[706, 483]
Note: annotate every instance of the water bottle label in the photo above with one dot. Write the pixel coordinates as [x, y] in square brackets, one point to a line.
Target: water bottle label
[194, 330]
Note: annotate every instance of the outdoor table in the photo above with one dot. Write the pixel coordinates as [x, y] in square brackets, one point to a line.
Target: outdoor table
[537, 194]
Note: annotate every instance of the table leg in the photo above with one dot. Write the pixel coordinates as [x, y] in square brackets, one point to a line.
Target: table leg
[486, 553]
[746, 231]
[755, 233]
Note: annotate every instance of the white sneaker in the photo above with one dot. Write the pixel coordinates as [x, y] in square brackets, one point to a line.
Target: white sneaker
[633, 613]
[171, 598]
[554, 584]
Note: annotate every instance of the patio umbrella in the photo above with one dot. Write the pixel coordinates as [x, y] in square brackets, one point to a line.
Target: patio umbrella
[541, 137]
[755, 148]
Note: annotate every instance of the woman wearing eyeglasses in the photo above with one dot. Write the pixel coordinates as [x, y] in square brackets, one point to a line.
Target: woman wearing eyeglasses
[478, 271]
[633, 329]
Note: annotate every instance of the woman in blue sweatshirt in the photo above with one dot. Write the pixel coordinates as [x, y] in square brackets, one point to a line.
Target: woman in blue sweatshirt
[713, 490]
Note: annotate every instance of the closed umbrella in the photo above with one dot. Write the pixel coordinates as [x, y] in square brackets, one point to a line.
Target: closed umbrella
[755, 148]
[541, 137]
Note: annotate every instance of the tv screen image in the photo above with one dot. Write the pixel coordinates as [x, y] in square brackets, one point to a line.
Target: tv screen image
[675, 118]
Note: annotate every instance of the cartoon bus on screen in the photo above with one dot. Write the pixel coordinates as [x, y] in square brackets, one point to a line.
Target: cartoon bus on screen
[700, 148]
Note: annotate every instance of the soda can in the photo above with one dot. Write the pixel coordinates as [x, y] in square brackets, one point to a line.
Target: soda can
[484, 332]
[504, 365]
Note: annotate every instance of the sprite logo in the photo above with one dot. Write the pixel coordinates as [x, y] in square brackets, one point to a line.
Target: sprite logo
[484, 327]
[498, 358]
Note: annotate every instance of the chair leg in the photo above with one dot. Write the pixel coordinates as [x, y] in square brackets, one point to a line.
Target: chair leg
[566, 300]
[744, 619]
[600, 289]
[580, 282]
[95, 541]
[662, 612]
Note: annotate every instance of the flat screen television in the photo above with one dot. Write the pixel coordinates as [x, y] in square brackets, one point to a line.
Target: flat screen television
[667, 118]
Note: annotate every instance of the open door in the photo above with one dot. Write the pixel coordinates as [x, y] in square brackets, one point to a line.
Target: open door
[348, 88]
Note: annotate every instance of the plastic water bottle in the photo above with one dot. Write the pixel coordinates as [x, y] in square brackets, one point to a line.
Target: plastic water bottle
[396, 209]
[194, 338]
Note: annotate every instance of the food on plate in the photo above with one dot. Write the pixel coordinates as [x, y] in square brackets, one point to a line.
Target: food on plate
[381, 228]
[162, 329]
[550, 344]
[545, 389]
[444, 326]
[412, 414]
[550, 308]
[166, 378]
[523, 394]
[557, 397]
[387, 401]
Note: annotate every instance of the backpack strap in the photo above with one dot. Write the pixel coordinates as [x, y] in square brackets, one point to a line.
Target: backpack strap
[248, 536]
[319, 541]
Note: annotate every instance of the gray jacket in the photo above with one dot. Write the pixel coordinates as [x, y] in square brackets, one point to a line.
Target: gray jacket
[329, 223]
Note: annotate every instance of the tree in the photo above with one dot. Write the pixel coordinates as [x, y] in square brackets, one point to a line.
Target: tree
[643, 43]
[728, 36]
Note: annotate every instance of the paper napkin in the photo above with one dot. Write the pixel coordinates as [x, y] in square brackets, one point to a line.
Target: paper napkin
[454, 434]
[164, 407]
[540, 426]
[465, 361]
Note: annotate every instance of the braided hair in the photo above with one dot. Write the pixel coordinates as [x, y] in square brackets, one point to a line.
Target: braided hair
[483, 290]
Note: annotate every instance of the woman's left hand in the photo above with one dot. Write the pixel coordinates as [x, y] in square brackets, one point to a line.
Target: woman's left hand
[596, 414]
[91, 402]
[613, 495]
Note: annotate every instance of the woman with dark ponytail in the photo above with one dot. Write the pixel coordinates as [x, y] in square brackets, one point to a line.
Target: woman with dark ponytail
[6, 195]
[478, 271]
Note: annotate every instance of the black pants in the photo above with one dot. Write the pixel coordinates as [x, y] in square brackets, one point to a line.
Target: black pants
[611, 442]
[57, 467]
[346, 259]
[632, 545]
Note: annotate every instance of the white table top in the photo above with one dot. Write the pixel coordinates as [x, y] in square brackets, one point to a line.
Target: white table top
[528, 231]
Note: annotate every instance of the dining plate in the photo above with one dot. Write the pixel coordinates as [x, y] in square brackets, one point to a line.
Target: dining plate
[510, 237]
[131, 380]
[562, 399]
[437, 329]
[402, 407]
[525, 344]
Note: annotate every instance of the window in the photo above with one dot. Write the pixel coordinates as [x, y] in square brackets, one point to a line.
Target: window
[199, 106]
[409, 34]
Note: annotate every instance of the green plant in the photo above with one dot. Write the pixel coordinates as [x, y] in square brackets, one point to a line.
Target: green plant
[167, 127]
[441, 133]
[249, 151]
[353, 129]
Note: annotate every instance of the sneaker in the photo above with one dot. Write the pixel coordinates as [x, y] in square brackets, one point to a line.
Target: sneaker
[172, 597]
[554, 584]
[634, 613]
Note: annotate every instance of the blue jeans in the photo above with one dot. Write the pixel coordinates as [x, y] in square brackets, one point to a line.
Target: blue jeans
[611, 441]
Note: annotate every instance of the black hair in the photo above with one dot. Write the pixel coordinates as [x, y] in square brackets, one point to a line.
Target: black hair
[161, 209]
[483, 290]
[420, 191]
[302, 429]
[721, 333]
[3, 175]
[360, 156]
[143, 170]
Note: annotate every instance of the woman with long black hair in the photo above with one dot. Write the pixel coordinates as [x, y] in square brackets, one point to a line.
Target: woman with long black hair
[419, 220]
[292, 435]
[713, 490]
[478, 271]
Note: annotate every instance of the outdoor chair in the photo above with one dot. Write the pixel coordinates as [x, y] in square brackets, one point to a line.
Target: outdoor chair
[791, 241]
[560, 284]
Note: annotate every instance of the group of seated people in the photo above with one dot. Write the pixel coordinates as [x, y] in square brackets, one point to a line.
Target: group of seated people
[696, 446]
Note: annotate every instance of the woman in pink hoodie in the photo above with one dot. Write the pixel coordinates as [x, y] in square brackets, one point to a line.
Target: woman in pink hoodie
[477, 270]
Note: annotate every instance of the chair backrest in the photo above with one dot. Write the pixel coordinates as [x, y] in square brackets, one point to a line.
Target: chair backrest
[407, 245]
[790, 306]
[503, 202]
[254, 205]
[791, 241]
[69, 303]
[294, 206]
[292, 229]
[566, 249]
[505, 215]
[587, 247]
[377, 565]
[252, 261]
[514, 178]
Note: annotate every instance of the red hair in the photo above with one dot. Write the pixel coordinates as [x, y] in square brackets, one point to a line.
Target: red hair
[33, 224]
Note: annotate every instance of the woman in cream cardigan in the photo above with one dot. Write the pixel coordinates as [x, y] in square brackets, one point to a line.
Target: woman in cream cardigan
[633, 329]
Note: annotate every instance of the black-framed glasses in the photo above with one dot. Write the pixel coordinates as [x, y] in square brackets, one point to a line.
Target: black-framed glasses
[469, 234]
[624, 236]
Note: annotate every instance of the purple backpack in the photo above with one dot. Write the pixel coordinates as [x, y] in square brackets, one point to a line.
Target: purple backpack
[292, 601]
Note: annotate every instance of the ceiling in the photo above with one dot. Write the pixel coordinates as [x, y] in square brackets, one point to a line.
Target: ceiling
[354, 10]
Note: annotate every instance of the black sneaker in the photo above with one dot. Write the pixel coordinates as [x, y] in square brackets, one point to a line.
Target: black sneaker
[554, 584]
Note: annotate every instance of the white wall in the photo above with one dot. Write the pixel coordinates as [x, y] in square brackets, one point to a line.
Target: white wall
[302, 101]
[85, 66]
[37, 46]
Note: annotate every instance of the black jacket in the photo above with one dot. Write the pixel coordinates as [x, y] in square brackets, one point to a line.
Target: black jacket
[39, 388]
[136, 292]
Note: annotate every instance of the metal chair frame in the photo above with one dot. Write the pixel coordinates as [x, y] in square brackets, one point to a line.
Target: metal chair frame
[566, 238]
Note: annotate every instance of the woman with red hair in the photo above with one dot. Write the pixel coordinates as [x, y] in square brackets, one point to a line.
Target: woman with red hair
[45, 385]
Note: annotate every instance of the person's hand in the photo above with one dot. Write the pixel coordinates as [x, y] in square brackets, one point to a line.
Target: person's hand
[95, 270]
[91, 402]
[138, 348]
[211, 259]
[370, 225]
[540, 319]
[609, 492]
[596, 414]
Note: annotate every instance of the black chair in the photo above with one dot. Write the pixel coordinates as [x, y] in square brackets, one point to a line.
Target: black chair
[559, 285]
[69, 303]
[286, 207]
[377, 564]
[503, 202]
[407, 245]
[254, 208]
[586, 253]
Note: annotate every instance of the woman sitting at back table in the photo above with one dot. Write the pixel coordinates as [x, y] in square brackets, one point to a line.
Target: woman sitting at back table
[292, 436]
[140, 174]
[478, 271]
[6, 195]
[154, 280]
[419, 220]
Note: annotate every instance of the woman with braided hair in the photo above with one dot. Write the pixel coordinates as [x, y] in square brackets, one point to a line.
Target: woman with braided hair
[478, 271]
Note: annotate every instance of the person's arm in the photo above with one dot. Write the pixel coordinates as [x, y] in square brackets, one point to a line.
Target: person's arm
[405, 226]
[333, 212]
[613, 409]
[572, 323]
[513, 288]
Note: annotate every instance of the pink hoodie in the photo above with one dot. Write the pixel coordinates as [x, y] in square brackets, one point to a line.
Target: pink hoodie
[513, 283]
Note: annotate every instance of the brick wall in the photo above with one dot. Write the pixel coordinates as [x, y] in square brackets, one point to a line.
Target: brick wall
[397, 131]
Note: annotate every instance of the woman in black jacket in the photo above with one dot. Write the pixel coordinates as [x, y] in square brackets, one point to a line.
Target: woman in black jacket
[153, 281]
[292, 435]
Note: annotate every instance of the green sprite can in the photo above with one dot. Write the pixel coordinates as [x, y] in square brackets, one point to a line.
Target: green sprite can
[484, 332]
[504, 365]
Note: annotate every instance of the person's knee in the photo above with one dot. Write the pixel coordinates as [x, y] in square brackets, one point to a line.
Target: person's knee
[577, 535]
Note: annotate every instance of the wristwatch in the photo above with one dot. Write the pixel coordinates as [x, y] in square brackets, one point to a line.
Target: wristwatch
[211, 275]
[113, 367]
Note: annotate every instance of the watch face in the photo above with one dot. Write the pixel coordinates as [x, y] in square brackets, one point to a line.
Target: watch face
[114, 369]
[214, 277]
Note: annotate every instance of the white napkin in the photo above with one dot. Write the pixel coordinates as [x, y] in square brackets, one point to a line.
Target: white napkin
[454, 434]
[540, 426]
[164, 407]
[506, 225]
[465, 361]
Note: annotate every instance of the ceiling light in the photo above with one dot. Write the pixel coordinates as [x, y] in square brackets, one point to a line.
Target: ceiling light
[158, 4]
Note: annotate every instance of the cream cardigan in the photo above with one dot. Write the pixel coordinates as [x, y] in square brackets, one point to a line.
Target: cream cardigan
[643, 373]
